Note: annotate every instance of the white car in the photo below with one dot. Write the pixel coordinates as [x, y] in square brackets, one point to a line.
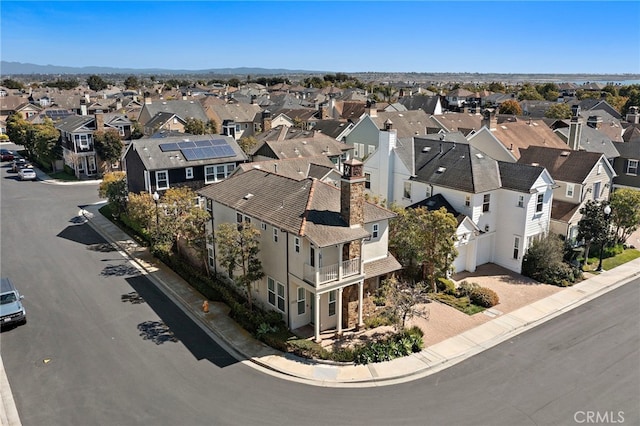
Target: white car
[26, 174]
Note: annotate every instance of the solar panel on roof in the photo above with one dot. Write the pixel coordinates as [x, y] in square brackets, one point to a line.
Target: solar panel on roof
[208, 152]
[201, 144]
[189, 154]
[227, 151]
[218, 142]
[187, 144]
[166, 147]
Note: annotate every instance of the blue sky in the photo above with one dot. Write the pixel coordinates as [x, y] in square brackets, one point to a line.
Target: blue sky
[416, 36]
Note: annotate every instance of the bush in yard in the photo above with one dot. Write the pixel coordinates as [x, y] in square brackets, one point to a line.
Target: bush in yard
[396, 346]
[543, 262]
[484, 297]
[466, 288]
[446, 286]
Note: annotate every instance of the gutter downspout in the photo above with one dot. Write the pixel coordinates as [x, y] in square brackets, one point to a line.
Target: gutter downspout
[213, 242]
[288, 293]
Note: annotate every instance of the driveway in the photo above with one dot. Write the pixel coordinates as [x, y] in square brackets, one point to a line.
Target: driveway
[514, 290]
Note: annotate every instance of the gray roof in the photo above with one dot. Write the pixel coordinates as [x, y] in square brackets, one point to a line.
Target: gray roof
[159, 119]
[518, 177]
[629, 149]
[592, 140]
[562, 164]
[304, 207]
[295, 168]
[154, 158]
[238, 112]
[407, 123]
[183, 109]
[426, 103]
[455, 165]
[332, 128]
[74, 122]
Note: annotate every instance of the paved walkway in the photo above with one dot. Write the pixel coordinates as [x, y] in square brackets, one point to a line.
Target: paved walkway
[430, 360]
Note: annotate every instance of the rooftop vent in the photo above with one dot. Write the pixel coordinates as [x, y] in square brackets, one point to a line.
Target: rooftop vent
[249, 195]
[479, 155]
[565, 153]
[426, 149]
[441, 169]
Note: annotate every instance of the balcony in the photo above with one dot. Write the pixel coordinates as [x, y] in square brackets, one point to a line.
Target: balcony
[332, 273]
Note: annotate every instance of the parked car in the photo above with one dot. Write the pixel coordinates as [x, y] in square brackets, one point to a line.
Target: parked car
[27, 173]
[19, 163]
[6, 155]
[11, 309]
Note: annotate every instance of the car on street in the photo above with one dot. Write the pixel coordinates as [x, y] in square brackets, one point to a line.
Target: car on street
[26, 173]
[11, 309]
[6, 155]
[19, 163]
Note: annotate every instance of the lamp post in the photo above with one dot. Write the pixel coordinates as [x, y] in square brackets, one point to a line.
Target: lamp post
[156, 197]
[607, 212]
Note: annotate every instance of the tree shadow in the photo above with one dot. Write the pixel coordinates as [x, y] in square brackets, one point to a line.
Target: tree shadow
[134, 298]
[119, 271]
[182, 327]
[156, 331]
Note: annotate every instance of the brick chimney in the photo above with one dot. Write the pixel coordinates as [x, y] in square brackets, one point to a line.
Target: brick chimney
[489, 119]
[633, 116]
[266, 120]
[352, 193]
[99, 121]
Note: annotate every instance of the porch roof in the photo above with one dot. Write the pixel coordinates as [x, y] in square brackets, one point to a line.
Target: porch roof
[381, 266]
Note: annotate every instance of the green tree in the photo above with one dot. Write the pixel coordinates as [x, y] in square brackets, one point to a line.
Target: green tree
[17, 129]
[423, 241]
[593, 228]
[529, 92]
[632, 94]
[625, 212]
[141, 210]
[211, 127]
[64, 84]
[558, 111]
[137, 132]
[543, 262]
[12, 84]
[194, 126]
[510, 106]
[549, 91]
[239, 247]
[132, 82]
[247, 143]
[496, 87]
[96, 83]
[183, 218]
[114, 188]
[108, 146]
[46, 144]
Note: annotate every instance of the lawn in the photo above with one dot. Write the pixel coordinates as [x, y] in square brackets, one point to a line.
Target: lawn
[611, 262]
[460, 303]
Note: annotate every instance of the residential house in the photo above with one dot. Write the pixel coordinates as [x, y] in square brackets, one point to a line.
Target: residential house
[164, 121]
[587, 138]
[323, 249]
[429, 104]
[157, 164]
[235, 120]
[364, 135]
[509, 204]
[181, 108]
[457, 98]
[579, 176]
[290, 142]
[77, 139]
[320, 167]
[627, 164]
[332, 128]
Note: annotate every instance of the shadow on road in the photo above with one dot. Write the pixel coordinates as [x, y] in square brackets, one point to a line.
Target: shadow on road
[81, 233]
[174, 324]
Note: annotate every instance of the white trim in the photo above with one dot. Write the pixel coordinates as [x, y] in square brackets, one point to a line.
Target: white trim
[166, 172]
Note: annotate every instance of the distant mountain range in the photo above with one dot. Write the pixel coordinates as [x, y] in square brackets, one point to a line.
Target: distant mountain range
[11, 68]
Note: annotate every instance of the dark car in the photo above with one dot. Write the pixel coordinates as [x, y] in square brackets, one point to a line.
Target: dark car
[6, 155]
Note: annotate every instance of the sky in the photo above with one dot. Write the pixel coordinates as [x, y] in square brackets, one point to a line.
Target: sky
[589, 37]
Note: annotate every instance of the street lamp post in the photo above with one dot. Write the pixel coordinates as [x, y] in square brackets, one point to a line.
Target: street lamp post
[607, 212]
[156, 197]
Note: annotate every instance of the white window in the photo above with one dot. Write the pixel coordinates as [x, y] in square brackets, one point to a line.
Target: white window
[599, 169]
[367, 180]
[271, 287]
[516, 247]
[467, 200]
[296, 244]
[275, 235]
[427, 192]
[361, 149]
[209, 174]
[356, 153]
[570, 190]
[92, 163]
[281, 297]
[162, 179]
[520, 200]
[263, 226]
[121, 131]
[237, 127]
[210, 256]
[189, 172]
[332, 303]
[301, 300]
[370, 149]
[238, 217]
[486, 202]
[375, 230]
[407, 190]
[539, 203]
[632, 167]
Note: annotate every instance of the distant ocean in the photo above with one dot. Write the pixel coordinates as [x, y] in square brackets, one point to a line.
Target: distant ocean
[620, 82]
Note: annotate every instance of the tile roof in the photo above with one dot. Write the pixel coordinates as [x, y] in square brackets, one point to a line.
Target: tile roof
[295, 168]
[563, 164]
[304, 207]
[518, 134]
[563, 211]
[240, 112]
[407, 123]
[460, 121]
[381, 266]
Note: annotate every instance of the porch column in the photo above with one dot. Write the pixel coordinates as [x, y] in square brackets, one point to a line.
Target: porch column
[339, 312]
[340, 272]
[316, 319]
[360, 298]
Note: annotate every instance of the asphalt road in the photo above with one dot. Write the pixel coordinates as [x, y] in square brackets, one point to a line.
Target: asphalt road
[104, 347]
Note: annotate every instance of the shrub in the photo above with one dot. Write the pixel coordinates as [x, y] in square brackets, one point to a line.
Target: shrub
[446, 286]
[383, 318]
[398, 345]
[466, 288]
[484, 297]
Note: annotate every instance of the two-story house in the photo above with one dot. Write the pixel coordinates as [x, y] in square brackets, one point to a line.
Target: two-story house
[157, 164]
[579, 176]
[323, 248]
[508, 205]
[77, 131]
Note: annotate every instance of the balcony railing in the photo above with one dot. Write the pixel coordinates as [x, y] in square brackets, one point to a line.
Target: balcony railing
[331, 273]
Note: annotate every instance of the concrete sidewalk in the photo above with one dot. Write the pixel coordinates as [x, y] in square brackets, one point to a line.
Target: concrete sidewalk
[244, 347]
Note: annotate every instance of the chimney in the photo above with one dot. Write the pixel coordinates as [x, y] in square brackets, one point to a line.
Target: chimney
[118, 104]
[147, 101]
[83, 107]
[575, 129]
[594, 121]
[266, 120]
[388, 124]
[489, 119]
[99, 121]
[352, 193]
[633, 116]
[86, 97]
